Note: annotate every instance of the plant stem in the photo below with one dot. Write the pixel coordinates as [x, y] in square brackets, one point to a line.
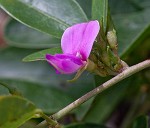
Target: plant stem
[126, 73]
[49, 120]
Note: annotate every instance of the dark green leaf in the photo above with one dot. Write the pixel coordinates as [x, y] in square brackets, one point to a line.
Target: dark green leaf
[41, 54]
[19, 35]
[14, 111]
[100, 11]
[86, 5]
[86, 125]
[132, 30]
[128, 6]
[141, 122]
[132, 23]
[49, 16]
[12, 67]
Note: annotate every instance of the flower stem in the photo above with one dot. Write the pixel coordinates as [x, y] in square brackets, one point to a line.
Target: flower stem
[126, 73]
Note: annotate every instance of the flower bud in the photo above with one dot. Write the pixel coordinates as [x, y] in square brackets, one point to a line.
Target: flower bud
[112, 39]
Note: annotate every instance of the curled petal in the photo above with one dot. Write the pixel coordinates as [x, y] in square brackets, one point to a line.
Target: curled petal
[80, 38]
[65, 63]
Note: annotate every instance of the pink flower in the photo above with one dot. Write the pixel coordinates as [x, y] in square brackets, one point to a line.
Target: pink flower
[76, 44]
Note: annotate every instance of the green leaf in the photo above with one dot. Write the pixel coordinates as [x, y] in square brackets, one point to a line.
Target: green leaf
[41, 54]
[132, 6]
[86, 5]
[141, 122]
[19, 35]
[84, 125]
[100, 11]
[48, 98]
[132, 31]
[14, 111]
[105, 102]
[12, 67]
[49, 16]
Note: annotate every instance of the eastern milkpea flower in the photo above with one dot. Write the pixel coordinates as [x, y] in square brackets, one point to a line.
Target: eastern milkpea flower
[76, 44]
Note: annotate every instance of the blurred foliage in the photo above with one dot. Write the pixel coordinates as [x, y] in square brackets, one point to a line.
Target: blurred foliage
[12, 116]
[140, 122]
[119, 106]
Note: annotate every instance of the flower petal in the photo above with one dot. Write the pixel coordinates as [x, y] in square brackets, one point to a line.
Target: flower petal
[80, 38]
[65, 63]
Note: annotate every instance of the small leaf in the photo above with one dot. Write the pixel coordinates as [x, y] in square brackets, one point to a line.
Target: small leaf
[19, 35]
[49, 16]
[14, 111]
[41, 54]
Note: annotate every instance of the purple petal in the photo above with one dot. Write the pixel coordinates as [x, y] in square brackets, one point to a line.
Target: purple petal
[65, 63]
[80, 38]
